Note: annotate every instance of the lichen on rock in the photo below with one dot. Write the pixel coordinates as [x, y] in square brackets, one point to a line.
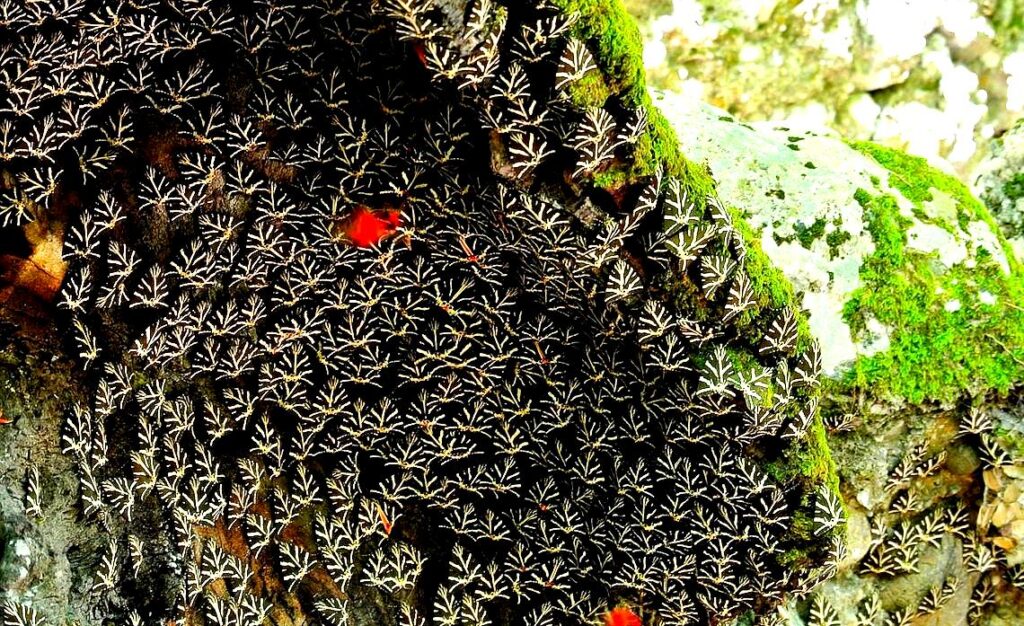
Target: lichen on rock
[910, 286]
[914, 293]
[933, 78]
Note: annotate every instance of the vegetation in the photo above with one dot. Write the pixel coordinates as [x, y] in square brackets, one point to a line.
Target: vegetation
[618, 50]
[916, 179]
[771, 287]
[952, 331]
[807, 235]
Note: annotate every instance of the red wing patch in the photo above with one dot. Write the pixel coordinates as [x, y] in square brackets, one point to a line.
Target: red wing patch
[366, 227]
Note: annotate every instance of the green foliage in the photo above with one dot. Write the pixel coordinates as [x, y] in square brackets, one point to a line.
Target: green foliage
[1014, 188]
[915, 178]
[935, 354]
[615, 40]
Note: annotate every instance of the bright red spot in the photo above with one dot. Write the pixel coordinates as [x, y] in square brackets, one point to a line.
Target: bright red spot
[384, 520]
[366, 227]
[421, 53]
[395, 218]
[621, 616]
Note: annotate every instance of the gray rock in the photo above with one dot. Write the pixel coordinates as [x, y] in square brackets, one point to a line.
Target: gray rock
[797, 188]
[47, 559]
[999, 182]
[934, 78]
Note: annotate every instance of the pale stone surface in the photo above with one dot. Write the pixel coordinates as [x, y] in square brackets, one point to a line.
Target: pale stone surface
[787, 181]
[929, 238]
[999, 182]
[948, 74]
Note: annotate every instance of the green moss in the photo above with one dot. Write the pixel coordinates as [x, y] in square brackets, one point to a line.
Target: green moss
[611, 178]
[934, 354]
[590, 91]
[1013, 440]
[1014, 188]
[809, 462]
[615, 41]
[886, 226]
[912, 175]
[807, 235]
[915, 178]
[1008, 21]
[747, 619]
[772, 290]
[793, 556]
[835, 240]
[815, 462]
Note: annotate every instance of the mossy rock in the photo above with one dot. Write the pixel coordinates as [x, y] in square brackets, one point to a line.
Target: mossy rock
[953, 296]
[999, 181]
[614, 39]
[912, 290]
[842, 63]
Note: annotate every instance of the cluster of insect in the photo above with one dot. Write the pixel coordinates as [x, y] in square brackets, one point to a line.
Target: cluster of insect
[913, 525]
[355, 345]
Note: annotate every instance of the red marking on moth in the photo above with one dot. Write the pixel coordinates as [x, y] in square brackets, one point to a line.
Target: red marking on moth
[421, 53]
[622, 616]
[540, 352]
[367, 227]
[470, 255]
[384, 521]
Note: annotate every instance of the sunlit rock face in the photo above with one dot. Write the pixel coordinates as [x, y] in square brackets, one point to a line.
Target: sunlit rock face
[999, 182]
[893, 257]
[937, 79]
